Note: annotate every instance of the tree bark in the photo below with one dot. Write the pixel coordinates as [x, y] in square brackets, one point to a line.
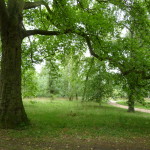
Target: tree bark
[131, 101]
[12, 113]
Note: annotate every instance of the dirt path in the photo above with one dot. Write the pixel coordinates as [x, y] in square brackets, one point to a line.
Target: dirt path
[126, 107]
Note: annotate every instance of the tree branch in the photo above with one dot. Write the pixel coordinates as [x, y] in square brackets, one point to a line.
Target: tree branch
[47, 7]
[110, 59]
[29, 5]
[89, 44]
[41, 32]
[88, 41]
[102, 1]
[44, 32]
[122, 4]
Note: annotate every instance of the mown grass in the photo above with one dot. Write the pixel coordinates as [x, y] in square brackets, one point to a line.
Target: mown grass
[61, 117]
[137, 105]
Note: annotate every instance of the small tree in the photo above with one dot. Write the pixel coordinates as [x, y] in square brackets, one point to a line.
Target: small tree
[98, 82]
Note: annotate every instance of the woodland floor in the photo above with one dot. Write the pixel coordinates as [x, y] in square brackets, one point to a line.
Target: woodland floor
[72, 143]
[64, 125]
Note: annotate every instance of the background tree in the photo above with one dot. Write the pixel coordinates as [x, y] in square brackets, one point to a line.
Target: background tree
[98, 82]
[125, 54]
[29, 77]
[133, 54]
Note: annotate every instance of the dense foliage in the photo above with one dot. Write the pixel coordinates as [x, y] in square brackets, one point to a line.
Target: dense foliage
[115, 33]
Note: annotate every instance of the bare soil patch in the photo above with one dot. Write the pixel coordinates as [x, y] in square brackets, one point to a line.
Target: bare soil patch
[72, 143]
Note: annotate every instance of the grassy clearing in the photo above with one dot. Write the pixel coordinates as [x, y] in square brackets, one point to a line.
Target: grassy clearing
[62, 125]
[137, 105]
[60, 117]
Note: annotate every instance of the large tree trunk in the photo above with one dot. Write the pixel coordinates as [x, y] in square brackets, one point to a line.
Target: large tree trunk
[12, 113]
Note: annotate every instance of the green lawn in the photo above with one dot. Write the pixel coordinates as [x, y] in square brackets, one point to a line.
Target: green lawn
[137, 105]
[62, 124]
[59, 117]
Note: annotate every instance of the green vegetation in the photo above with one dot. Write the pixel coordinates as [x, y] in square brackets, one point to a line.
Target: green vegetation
[56, 118]
[114, 33]
[145, 105]
[61, 124]
[91, 51]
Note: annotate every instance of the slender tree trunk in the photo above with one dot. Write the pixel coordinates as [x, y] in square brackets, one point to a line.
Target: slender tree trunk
[76, 96]
[131, 104]
[70, 98]
[87, 78]
[131, 101]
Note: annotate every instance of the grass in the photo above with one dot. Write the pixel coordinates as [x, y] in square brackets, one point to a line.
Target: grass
[61, 124]
[137, 105]
[72, 118]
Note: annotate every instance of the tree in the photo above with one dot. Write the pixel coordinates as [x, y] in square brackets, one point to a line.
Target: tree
[130, 53]
[29, 75]
[12, 113]
[71, 76]
[29, 83]
[98, 82]
[48, 79]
